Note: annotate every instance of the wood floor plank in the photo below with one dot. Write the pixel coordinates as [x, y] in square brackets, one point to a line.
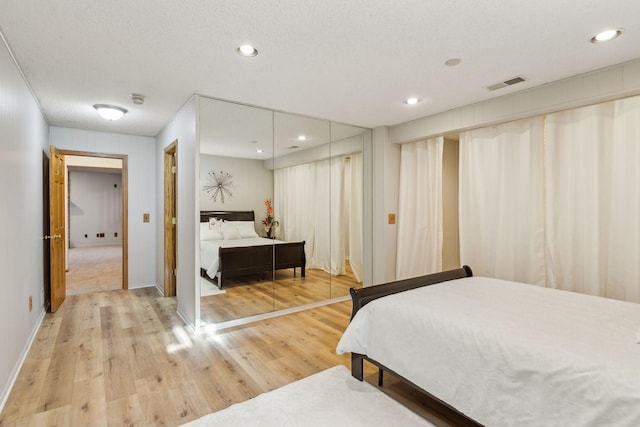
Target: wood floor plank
[25, 395]
[58, 417]
[125, 412]
[88, 405]
[59, 380]
[125, 358]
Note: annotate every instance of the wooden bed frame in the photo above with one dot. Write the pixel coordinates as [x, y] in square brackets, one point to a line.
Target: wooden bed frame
[243, 261]
[363, 296]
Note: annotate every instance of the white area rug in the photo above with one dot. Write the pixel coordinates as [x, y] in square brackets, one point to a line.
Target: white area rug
[330, 398]
[207, 288]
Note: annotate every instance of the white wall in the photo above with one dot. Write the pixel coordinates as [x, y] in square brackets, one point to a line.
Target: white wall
[95, 200]
[252, 185]
[23, 137]
[141, 187]
[611, 83]
[386, 178]
[450, 229]
[184, 129]
[597, 86]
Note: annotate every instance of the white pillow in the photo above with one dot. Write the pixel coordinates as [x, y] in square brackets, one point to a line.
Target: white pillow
[215, 223]
[230, 232]
[206, 233]
[246, 228]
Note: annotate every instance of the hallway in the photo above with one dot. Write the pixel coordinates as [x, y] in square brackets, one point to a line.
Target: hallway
[94, 269]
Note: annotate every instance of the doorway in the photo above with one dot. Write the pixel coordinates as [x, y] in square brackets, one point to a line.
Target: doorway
[94, 224]
[85, 161]
[170, 219]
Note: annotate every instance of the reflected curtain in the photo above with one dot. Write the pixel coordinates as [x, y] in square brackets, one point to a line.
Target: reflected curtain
[593, 199]
[419, 247]
[327, 217]
[501, 210]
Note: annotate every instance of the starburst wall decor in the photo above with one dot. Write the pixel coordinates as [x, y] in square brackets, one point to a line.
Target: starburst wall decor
[220, 186]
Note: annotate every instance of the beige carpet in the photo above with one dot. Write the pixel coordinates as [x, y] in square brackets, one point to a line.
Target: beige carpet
[330, 398]
[94, 269]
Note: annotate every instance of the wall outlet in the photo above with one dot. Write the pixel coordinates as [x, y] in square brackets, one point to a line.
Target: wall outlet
[145, 217]
[115, 234]
[30, 303]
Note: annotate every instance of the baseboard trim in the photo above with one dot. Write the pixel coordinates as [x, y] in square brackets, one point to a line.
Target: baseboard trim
[16, 369]
[160, 290]
[213, 327]
[184, 319]
[142, 285]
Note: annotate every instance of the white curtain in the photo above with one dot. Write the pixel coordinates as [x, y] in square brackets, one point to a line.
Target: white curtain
[312, 203]
[419, 244]
[593, 199]
[501, 201]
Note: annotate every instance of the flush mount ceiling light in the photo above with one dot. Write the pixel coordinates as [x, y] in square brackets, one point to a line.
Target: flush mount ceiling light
[247, 50]
[259, 150]
[110, 112]
[411, 101]
[302, 138]
[606, 35]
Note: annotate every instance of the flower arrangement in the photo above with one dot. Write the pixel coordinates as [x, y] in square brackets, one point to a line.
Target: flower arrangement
[269, 222]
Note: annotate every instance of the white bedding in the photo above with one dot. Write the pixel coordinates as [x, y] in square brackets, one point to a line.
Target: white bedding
[506, 353]
[209, 259]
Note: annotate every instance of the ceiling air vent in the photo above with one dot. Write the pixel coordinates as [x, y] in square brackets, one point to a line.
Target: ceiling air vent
[506, 83]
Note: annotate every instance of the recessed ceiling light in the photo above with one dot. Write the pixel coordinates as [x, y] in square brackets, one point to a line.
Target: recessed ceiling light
[247, 50]
[452, 62]
[259, 150]
[302, 138]
[606, 35]
[110, 112]
[411, 101]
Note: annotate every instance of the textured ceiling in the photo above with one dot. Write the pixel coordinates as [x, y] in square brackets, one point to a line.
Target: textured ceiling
[349, 61]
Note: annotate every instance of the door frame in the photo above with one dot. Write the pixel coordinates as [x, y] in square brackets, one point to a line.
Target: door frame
[125, 205]
[170, 211]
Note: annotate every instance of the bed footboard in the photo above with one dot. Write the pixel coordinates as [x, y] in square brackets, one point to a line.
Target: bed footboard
[243, 261]
[363, 296]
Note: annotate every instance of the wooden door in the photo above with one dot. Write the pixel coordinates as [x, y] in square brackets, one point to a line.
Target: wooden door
[170, 214]
[56, 227]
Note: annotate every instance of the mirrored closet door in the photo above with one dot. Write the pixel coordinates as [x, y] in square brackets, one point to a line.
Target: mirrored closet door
[300, 181]
[236, 253]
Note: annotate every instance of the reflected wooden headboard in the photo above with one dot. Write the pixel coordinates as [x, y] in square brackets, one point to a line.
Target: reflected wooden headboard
[227, 215]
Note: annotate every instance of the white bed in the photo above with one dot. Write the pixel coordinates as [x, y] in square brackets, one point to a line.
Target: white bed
[506, 353]
[230, 247]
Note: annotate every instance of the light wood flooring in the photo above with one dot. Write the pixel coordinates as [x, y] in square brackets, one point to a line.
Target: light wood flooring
[94, 269]
[125, 358]
[251, 295]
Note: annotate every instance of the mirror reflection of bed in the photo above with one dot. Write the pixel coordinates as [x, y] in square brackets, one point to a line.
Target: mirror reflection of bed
[240, 271]
[315, 186]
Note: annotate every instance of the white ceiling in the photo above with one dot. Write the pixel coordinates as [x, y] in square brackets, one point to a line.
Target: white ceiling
[349, 61]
